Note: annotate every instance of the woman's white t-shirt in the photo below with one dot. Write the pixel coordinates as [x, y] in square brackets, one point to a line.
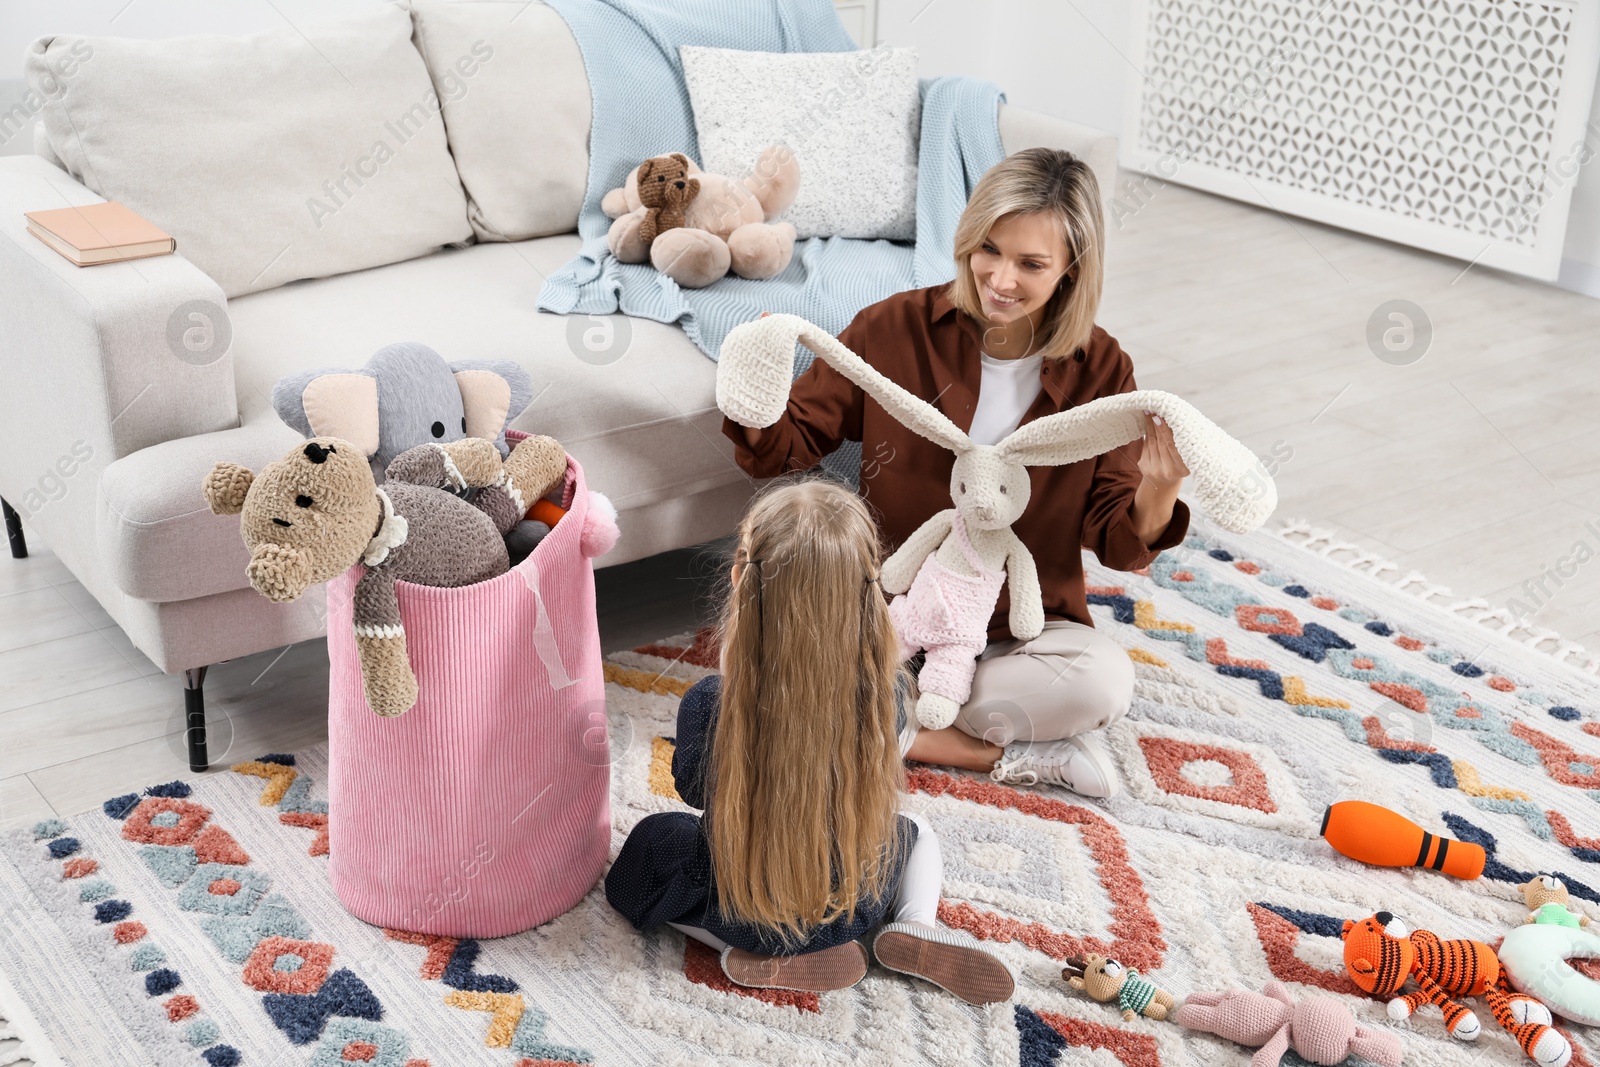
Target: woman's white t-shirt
[1008, 389]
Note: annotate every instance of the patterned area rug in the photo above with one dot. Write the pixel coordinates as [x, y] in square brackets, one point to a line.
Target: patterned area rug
[193, 924]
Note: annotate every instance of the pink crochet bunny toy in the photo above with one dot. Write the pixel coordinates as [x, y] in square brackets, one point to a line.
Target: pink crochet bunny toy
[1320, 1030]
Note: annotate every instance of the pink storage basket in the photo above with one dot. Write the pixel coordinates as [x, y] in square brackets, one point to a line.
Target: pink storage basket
[485, 809]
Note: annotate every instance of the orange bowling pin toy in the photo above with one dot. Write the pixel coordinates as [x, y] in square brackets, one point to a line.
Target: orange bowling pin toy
[1383, 838]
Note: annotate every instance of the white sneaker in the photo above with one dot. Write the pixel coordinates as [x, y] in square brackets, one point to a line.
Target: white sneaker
[1080, 763]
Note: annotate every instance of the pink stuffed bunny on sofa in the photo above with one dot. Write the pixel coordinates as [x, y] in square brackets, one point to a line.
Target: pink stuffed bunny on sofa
[1320, 1029]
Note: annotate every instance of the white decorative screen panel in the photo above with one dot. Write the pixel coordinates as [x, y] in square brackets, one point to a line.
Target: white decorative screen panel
[1457, 126]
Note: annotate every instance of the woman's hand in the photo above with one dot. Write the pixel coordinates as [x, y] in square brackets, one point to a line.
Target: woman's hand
[1160, 463]
[1163, 472]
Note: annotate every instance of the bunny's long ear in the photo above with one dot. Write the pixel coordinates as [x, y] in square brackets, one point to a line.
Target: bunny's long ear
[1073, 435]
[1230, 482]
[752, 353]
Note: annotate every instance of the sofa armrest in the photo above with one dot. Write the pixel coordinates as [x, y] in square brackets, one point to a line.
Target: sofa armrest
[109, 355]
[156, 536]
[1021, 128]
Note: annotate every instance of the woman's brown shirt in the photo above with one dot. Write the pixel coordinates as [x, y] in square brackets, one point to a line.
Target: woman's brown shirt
[922, 341]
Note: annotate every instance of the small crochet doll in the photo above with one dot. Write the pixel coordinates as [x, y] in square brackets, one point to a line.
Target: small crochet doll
[1107, 980]
[1550, 903]
[951, 568]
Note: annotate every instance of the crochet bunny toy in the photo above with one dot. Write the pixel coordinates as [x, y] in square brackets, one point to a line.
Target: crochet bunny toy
[1320, 1030]
[315, 513]
[950, 569]
[696, 234]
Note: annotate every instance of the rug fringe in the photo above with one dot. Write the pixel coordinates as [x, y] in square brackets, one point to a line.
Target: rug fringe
[17, 1024]
[1475, 609]
[20, 1054]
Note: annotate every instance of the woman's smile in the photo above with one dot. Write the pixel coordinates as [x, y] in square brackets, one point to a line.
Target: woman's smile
[1000, 301]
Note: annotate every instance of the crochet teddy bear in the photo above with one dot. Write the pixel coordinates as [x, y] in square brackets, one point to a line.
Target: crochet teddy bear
[1380, 953]
[1320, 1029]
[1108, 980]
[726, 224]
[951, 568]
[665, 190]
[315, 513]
[1550, 902]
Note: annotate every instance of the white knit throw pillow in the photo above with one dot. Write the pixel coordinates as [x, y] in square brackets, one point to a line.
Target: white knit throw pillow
[851, 118]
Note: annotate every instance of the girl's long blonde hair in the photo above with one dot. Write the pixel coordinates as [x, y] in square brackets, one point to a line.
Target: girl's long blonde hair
[1061, 186]
[804, 776]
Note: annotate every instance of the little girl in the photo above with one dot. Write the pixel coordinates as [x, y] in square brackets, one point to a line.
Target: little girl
[794, 756]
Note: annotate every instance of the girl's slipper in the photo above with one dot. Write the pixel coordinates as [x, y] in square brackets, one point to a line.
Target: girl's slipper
[823, 971]
[947, 958]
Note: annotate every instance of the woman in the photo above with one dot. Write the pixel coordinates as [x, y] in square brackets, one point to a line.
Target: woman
[1011, 339]
[794, 754]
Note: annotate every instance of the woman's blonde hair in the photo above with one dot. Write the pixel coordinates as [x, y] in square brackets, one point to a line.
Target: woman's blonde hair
[1061, 186]
[804, 776]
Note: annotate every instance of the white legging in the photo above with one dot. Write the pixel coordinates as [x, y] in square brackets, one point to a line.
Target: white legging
[916, 901]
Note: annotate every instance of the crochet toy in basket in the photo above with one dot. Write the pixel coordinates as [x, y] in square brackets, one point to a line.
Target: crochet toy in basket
[465, 689]
[948, 573]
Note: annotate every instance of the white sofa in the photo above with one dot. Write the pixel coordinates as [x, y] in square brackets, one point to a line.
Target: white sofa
[110, 423]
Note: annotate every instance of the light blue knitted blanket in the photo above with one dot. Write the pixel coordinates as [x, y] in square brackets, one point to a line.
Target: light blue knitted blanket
[641, 109]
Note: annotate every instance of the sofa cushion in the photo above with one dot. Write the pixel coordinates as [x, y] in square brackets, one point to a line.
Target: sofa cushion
[516, 109]
[270, 158]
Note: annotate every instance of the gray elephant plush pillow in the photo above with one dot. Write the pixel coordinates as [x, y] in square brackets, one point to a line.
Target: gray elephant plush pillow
[405, 395]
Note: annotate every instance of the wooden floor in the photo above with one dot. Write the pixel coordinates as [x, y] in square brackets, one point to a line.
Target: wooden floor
[1478, 465]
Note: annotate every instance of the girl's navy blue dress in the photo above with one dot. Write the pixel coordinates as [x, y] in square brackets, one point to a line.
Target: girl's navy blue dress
[663, 873]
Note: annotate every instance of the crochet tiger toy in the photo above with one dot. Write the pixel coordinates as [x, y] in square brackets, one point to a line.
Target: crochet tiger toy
[1380, 954]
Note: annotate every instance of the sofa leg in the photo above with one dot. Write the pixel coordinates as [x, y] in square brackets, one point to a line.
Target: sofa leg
[19, 543]
[194, 706]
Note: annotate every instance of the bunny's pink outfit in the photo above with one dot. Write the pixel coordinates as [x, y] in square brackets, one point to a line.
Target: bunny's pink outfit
[948, 615]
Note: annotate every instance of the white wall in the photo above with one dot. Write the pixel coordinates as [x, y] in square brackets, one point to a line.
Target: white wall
[1069, 60]
[1064, 59]
[1580, 264]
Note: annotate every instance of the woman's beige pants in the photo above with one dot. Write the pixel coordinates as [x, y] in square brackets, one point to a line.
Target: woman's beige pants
[1067, 681]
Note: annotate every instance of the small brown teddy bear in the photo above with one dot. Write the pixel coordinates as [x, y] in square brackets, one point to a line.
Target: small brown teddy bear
[1550, 903]
[315, 513]
[665, 190]
[728, 225]
[1107, 980]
